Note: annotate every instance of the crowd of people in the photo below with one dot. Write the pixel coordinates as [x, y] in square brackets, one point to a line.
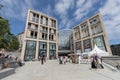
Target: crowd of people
[95, 60]
[64, 59]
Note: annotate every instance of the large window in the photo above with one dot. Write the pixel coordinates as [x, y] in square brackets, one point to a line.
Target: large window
[64, 40]
[30, 50]
[77, 35]
[78, 47]
[51, 37]
[42, 48]
[33, 34]
[87, 45]
[52, 53]
[53, 23]
[99, 41]
[46, 21]
[44, 36]
[41, 19]
[35, 18]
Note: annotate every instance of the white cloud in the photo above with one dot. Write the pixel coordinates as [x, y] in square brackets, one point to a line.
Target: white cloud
[63, 5]
[61, 8]
[83, 7]
[48, 10]
[111, 18]
[17, 9]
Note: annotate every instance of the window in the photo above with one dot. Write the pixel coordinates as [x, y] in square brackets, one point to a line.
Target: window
[41, 21]
[51, 37]
[29, 25]
[44, 36]
[35, 18]
[46, 21]
[42, 48]
[30, 50]
[99, 41]
[78, 45]
[52, 50]
[87, 45]
[36, 27]
[53, 23]
[33, 34]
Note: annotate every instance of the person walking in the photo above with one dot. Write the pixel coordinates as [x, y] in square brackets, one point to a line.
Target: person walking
[42, 59]
[93, 63]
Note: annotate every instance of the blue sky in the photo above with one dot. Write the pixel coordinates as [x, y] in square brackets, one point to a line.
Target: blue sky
[67, 12]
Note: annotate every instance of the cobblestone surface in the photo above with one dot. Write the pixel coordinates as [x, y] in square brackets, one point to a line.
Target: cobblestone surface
[51, 70]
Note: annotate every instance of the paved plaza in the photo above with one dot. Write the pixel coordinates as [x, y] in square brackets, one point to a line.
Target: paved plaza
[51, 70]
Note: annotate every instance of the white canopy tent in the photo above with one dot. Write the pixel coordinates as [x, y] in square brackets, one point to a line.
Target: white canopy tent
[98, 51]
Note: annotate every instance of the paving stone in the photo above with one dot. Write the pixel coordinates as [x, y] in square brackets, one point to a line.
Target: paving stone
[51, 70]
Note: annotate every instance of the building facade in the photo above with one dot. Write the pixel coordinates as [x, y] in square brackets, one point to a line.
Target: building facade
[115, 49]
[88, 33]
[20, 37]
[64, 42]
[40, 37]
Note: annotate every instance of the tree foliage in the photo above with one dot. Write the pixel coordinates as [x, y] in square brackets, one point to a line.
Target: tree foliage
[7, 40]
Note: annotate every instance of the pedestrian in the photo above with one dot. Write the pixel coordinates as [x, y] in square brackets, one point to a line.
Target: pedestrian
[64, 60]
[59, 59]
[93, 63]
[42, 59]
[80, 59]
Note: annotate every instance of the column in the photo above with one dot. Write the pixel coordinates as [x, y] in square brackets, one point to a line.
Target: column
[107, 45]
[82, 46]
[37, 50]
[90, 33]
[23, 50]
[56, 50]
[48, 50]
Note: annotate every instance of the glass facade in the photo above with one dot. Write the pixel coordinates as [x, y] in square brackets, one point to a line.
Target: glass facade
[87, 45]
[42, 49]
[52, 53]
[30, 50]
[99, 41]
[64, 40]
[78, 47]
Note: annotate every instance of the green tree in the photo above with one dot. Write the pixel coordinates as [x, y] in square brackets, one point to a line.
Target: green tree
[7, 40]
[4, 28]
[14, 43]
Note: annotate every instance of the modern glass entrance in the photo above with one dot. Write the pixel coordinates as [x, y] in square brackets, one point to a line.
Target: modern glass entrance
[30, 50]
[52, 53]
[42, 49]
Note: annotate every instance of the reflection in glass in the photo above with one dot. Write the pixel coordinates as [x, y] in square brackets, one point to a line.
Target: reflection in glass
[52, 51]
[99, 42]
[87, 45]
[64, 39]
[42, 49]
[30, 50]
